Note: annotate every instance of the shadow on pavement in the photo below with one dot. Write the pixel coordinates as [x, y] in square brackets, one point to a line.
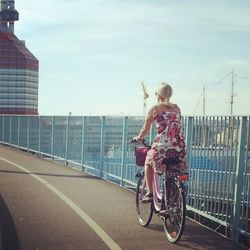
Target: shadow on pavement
[55, 175]
[9, 238]
[196, 238]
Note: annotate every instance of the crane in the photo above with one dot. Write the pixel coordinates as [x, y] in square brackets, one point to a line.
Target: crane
[145, 96]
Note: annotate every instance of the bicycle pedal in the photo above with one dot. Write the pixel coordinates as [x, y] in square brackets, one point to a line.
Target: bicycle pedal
[173, 234]
[173, 210]
[164, 216]
[147, 200]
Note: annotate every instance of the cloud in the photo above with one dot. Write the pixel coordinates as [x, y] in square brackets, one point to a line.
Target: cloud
[122, 42]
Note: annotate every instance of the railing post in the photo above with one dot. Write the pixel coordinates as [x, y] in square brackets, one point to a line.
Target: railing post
[10, 128]
[39, 134]
[3, 129]
[67, 141]
[189, 136]
[151, 134]
[103, 122]
[83, 142]
[18, 132]
[28, 133]
[1, 138]
[52, 136]
[124, 148]
[239, 180]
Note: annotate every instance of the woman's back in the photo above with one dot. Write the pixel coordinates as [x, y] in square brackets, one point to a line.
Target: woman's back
[169, 139]
[165, 114]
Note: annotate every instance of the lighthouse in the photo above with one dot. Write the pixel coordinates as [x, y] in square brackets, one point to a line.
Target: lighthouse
[19, 68]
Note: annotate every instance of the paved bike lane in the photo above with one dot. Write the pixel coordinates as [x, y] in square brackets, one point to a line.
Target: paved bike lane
[33, 216]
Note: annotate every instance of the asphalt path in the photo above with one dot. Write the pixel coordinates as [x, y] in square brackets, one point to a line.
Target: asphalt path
[45, 205]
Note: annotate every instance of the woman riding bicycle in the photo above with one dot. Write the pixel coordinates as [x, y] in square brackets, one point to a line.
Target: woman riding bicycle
[167, 152]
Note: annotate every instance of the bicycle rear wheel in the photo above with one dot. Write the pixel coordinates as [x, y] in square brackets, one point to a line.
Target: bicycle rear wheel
[174, 222]
[144, 210]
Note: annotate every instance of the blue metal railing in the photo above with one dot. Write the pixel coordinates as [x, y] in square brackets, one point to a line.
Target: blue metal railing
[218, 156]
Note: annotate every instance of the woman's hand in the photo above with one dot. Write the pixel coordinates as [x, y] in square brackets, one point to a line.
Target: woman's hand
[137, 139]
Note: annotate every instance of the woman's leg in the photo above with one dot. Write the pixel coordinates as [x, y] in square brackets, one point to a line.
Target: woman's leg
[149, 174]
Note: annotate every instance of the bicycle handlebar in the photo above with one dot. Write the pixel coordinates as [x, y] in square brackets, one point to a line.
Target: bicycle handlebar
[133, 141]
[143, 142]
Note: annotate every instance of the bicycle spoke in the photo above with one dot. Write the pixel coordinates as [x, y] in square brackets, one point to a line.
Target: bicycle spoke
[175, 221]
[144, 210]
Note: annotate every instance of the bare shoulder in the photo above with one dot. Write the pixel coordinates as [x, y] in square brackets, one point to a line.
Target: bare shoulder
[176, 108]
[173, 105]
[153, 109]
[170, 107]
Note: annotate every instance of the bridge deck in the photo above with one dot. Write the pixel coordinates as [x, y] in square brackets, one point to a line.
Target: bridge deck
[44, 205]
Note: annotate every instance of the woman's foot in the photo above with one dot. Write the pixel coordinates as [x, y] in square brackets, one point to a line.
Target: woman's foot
[147, 198]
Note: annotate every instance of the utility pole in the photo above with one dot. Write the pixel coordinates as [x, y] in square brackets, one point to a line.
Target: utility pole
[232, 94]
[204, 100]
[231, 121]
[204, 113]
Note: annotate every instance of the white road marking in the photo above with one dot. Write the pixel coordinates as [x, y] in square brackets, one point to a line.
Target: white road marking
[98, 230]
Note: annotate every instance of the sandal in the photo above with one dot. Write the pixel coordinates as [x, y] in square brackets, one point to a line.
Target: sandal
[147, 198]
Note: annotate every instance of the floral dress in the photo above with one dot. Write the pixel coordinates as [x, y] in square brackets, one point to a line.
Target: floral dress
[169, 142]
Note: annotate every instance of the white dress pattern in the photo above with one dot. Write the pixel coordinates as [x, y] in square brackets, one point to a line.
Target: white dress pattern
[169, 142]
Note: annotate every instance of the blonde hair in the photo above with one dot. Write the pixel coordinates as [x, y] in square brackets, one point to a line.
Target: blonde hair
[164, 90]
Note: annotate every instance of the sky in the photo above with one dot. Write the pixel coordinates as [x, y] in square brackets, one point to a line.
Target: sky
[94, 54]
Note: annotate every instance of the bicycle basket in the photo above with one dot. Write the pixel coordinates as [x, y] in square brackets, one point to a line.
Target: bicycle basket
[140, 155]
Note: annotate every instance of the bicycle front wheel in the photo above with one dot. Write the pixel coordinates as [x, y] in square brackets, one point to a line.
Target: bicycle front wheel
[144, 210]
[174, 222]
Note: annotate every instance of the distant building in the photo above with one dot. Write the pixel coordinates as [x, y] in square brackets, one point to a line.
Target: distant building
[18, 68]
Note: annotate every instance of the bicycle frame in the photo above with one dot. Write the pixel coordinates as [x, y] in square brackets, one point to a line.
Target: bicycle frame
[168, 202]
[160, 201]
[158, 198]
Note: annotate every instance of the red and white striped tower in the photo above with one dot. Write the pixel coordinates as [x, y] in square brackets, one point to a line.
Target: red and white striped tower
[18, 68]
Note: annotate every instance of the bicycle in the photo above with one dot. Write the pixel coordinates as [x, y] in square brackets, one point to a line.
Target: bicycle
[168, 201]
